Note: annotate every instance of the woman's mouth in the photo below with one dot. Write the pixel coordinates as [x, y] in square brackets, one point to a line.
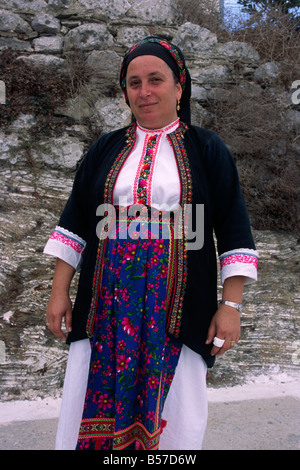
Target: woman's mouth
[147, 105]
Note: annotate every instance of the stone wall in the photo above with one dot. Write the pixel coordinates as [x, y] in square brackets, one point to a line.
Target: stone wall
[44, 34]
[78, 46]
[83, 41]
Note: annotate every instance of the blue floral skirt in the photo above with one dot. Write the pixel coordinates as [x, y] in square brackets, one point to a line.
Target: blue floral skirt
[133, 359]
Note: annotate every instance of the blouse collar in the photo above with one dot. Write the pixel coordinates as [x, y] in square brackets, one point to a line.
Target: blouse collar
[165, 130]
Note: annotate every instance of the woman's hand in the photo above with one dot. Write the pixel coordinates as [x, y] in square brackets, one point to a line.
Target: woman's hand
[226, 323]
[60, 305]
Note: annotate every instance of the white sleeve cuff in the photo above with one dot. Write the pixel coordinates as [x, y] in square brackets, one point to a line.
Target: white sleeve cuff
[241, 262]
[67, 246]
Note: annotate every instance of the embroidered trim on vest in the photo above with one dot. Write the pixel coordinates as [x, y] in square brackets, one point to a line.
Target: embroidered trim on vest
[179, 261]
[108, 198]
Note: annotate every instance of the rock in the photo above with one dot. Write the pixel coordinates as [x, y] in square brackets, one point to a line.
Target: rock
[112, 113]
[22, 123]
[46, 24]
[215, 74]
[199, 93]
[160, 12]
[14, 23]
[89, 37]
[76, 108]
[57, 5]
[193, 38]
[43, 60]
[15, 44]
[236, 49]
[48, 44]
[200, 116]
[112, 9]
[62, 153]
[293, 119]
[58, 153]
[129, 36]
[10, 148]
[26, 6]
[105, 64]
[218, 94]
[267, 71]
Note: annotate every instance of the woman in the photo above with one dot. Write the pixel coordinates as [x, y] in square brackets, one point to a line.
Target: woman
[146, 323]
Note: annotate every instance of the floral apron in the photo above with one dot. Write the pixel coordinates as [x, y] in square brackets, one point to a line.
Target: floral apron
[133, 359]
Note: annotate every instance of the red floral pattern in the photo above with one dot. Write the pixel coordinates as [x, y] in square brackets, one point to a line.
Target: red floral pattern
[133, 358]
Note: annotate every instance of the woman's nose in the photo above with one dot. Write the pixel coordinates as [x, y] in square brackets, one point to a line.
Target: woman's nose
[145, 92]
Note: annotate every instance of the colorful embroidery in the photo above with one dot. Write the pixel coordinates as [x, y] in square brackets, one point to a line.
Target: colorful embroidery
[143, 180]
[138, 291]
[118, 163]
[67, 240]
[244, 258]
[102, 431]
[173, 126]
[179, 252]
[108, 199]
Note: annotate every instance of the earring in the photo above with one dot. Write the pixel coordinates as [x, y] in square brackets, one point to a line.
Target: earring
[178, 105]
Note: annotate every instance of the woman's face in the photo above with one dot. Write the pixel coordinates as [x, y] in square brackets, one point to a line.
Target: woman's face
[152, 92]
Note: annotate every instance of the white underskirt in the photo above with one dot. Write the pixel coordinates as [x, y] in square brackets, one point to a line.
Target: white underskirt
[185, 408]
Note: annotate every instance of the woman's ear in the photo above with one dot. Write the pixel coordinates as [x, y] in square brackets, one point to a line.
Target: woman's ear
[178, 91]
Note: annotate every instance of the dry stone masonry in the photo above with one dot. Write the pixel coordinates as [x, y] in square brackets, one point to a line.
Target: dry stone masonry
[83, 41]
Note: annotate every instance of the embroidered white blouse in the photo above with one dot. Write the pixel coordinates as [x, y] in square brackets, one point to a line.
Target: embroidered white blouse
[162, 187]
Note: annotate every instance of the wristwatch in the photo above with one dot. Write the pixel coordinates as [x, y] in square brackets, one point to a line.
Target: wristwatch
[238, 307]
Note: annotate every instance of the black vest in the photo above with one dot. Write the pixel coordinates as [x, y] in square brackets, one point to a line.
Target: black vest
[208, 178]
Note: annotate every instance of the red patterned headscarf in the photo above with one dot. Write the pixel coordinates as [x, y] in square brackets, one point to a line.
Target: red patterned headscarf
[173, 57]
